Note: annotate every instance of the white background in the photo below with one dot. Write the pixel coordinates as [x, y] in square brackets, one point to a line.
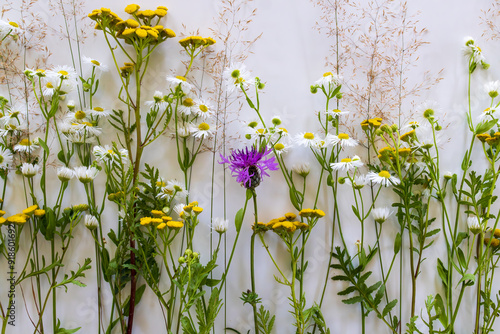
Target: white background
[289, 57]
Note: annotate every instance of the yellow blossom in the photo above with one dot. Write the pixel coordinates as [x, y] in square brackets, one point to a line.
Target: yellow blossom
[161, 226]
[197, 210]
[30, 210]
[175, 224]
[2, 213]
[157, 213]
[145, 221]
[2, 220]
[141, 33]
[132, 8]
[132, 23]
[290, 216]
[39, 213]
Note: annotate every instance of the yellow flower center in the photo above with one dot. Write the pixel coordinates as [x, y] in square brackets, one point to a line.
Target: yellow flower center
[346, 160]
[309, 135]
[283, 129]
[478, 48]
[180, 78]
[95, 62]
[1, 159]
[14, 24]
[203, 108]
[80, 114]
[279, 146]
[327, 74]
[98, 109]
[336, 110]
[63, 72]
[25, 142]
[384, 174]
[87, 124]
[160, 184]
[261, 131]
[343, 136]
[204, 126]
[188, 102]
[110, 151]
[49, 85]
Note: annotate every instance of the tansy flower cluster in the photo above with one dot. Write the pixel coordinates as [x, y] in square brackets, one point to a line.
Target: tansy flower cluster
[160, 220]
[23, 217]
[141, 30]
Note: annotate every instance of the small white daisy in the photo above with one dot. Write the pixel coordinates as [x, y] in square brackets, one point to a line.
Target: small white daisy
[202, 109]
[488, 114]
[473, 224]
[5, 158]
[86, 174]
[303, 169]
[220, 224]
[8, 28]
[87, 128]
[384, 178]
[347, 164]
[307, 139]
[158, 103]
[29, 170]
[358, 182]
[492, 88]
[328, 79]
[98, 112]
[177, 81]
[26, 146]
[65, 174]
[95, 64]
[337, 112]
[236, 76]
[281, 148]
[91, 222]
[106, 154]
[380, 215]
[343, 140]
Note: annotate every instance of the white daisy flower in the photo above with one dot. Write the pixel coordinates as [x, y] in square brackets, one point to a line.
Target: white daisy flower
[98, 112]
[173, 188]
[95, 64]
[220, 224]
[26, 146]
[236, 76]
[411, 125]
[380, 215]
[281, 148]
[5, 158]
[65, 174]
[492, 88]
[358, 182]
[307, 139]
[79, 137]
[158, 103]
[336, 112]
[91, 222]
[202, 109]
[71, 104]
[384, 178]
[87, 128]
[488, 114]
[473, 224]
[202, 130]
[325, 143]
[179, 209]
[303, 169]
[12, 129]
[63, 72]
[347, 164]
[86, 174]
[328, 79]
[9, 28]
[29, 170]
[177, 81]
[343, 140]
[106, 154]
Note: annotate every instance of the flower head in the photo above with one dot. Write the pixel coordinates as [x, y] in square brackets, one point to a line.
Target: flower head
[29, 170]
[380, 215]
[347, 164]
[303, 169]
[179, 81]
[97, 65]
[492, 88]
[65, 174]
[220, 225]
[237, 76]
[249, 166]
[384, 178]
[473, 224]
[91, 222]
[86, 174]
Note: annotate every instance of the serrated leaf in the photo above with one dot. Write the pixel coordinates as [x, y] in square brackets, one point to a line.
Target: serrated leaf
[353, 300]
[389, 307]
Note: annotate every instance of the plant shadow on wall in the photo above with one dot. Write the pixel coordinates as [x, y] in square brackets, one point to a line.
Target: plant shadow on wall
[153, 244]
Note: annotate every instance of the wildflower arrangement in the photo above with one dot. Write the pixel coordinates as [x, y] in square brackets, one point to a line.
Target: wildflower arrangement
[147, 227]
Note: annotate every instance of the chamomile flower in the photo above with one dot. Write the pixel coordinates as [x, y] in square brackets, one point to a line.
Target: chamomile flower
[26, 146]
[77, 116]
[5, 158]
[474, 53]
[179, 209]
[237, 76]
[347, 164]
[174, 188]
[8, 28]
[380, 215]
[203, 130]
[220, 224]
[158, 103]
[179, 81]
[99, 68]
[343, 140]
[63, 72]
[307, 139]
[383, 178]
[492, 88]
[87, 128]
[65, 174]
[427, 109]
[29, 170]
[12, 129]
[79, 137]
[86, 174]
[184, 131]
[328, 79]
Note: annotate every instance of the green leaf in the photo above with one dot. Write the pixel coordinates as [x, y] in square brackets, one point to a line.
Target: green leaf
[397, 243]
[238, 220]
[389, 307]
[485, 126]
[441, 310]
[469, 279]
[353, 300]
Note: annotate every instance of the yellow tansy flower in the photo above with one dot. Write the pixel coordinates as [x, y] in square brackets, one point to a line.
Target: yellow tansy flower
[132, 8]
[39, 213]
[175, 224]
[30, 210]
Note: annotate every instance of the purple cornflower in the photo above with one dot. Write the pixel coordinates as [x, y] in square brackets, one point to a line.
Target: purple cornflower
[249, 165]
